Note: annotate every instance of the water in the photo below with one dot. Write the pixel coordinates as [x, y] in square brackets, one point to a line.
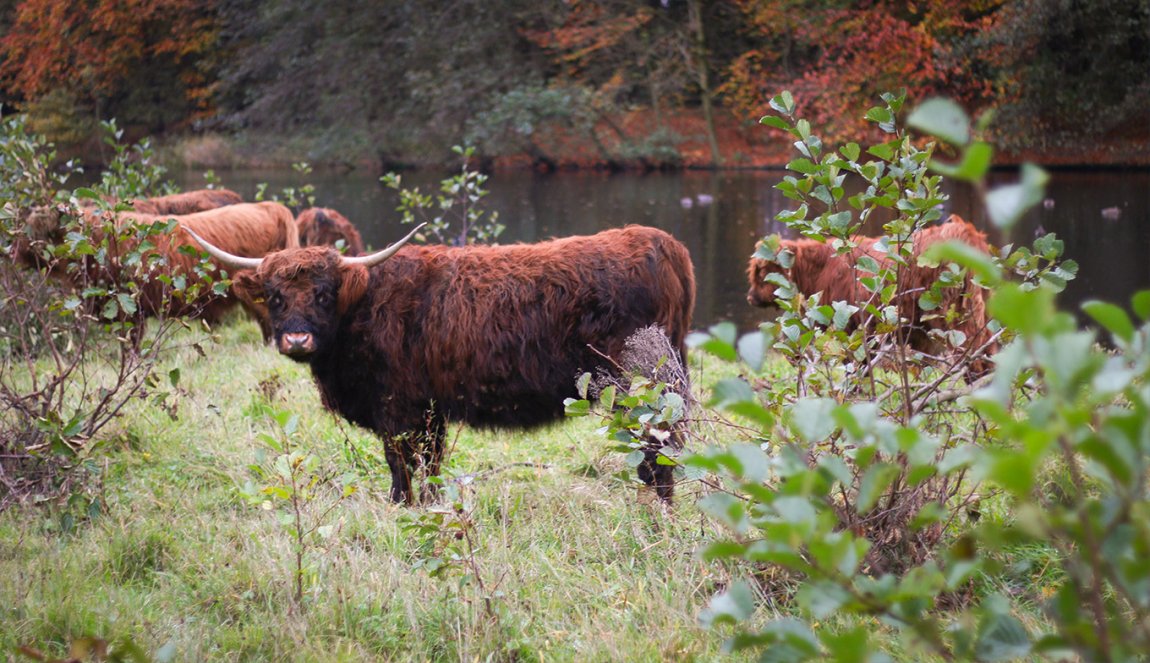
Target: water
[720, 216]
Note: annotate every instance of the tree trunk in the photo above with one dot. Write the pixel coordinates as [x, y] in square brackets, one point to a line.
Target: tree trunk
[699, 55]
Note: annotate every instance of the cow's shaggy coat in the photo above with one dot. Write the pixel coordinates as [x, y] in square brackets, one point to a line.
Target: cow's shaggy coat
[188, 202]
[818, 269]
[320, 226]
[491, 336]
[247, 229]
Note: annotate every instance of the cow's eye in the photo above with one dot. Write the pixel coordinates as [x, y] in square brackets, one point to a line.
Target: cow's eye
[276, 300]
[323, 298]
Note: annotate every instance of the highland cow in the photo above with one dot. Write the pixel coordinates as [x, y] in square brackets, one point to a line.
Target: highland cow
[410, 338]
[816, 268]
[249, 229]
[319, 226]
[188, 202]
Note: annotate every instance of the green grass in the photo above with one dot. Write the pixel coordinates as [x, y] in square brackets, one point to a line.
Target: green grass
[577, 564]
[570, 558]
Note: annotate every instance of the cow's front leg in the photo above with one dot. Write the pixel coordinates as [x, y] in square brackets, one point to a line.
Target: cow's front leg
[397, 452]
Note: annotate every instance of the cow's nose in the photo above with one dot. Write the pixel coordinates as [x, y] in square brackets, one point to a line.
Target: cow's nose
[296, 343]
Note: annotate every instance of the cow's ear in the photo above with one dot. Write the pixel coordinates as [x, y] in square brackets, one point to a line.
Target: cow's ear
[248, 288]
[353, 285]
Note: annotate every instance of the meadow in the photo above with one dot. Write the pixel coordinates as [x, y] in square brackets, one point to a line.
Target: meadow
[566, 557]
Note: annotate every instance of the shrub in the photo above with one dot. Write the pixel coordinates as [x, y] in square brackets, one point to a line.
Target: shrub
[454, 216]
[72, 349]
[870, 495]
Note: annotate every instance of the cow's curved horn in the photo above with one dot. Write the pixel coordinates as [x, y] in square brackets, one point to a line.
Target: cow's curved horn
[226, 259]
[380, 256]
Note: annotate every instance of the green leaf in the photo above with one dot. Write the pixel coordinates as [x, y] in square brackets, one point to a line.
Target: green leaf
[1140, 302]
[804, 166]
[607, 397]
[583, 384]
[823, 598]
[127, 304]
[784, 103]
[573, 407]
[731, 391]
[1025, 311]
[752, 349]
[727, 509]
[963, 255]
[755, 463]
[722, 550]
[976, 161]
[879, 115]
[942, 118]
[732, 606]
[1112, 317]
[1007, 204]
[811, 418]
[875, 481]
[884, 151]
[1001, 637]
[753, 411]
[776, 122]
[84, 192]
[847, 646]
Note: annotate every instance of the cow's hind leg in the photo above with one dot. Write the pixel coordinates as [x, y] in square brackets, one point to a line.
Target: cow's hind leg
[431, 457]
[655, 474]
[416, 455]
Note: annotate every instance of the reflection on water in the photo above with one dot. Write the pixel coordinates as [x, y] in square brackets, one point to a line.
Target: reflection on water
[720, 216]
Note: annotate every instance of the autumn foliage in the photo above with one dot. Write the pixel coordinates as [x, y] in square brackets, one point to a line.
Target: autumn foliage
[836, 59]
[99, 50]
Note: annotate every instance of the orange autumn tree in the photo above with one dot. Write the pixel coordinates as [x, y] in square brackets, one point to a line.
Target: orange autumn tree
[837, 57]
[146, 61]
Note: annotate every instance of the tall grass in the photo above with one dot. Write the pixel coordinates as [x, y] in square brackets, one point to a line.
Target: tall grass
[576, 562]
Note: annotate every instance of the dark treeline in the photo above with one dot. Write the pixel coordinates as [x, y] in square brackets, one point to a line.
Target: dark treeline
[401, 81]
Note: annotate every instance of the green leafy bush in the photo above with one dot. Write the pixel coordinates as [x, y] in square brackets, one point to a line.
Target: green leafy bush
[872, 497]
[291, 483]
[73, 352]
[454, 215]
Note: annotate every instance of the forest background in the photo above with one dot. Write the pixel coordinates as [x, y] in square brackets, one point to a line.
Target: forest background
[608, 84]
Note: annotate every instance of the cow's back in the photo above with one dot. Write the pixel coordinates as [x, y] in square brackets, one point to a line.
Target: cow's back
[497, 336]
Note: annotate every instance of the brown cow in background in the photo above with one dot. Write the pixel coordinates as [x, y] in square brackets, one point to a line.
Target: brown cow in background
[323, 226]
[249, 229]
[188, 202]
[408, 339]
[817, 269]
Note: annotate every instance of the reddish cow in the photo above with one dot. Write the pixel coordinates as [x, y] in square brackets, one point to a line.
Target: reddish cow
[408, 339]
[188, 202]
[320, 226]
[250, 229]
[816, 268]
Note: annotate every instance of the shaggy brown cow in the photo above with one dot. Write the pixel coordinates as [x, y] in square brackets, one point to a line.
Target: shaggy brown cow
[816, 268]
[249, 229]
[188, 202]
[319, 226]
[490, 336]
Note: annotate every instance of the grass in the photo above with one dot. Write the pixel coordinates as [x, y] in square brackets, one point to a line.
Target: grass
[577, 564]
[566, 556]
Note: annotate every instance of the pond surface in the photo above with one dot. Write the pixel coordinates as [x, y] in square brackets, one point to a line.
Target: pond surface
[720, 216]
